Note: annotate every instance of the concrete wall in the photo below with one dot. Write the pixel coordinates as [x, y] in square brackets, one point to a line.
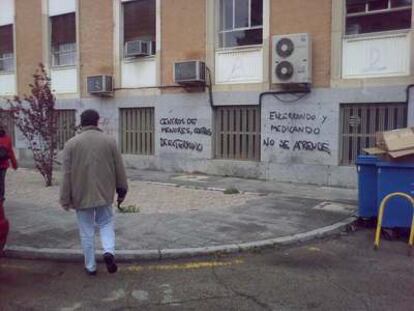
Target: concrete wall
[287, 153]
[29, 42]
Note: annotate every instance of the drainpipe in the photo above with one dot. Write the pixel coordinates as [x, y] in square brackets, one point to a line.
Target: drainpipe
[210, 88]
[407, 91]
[407, 98]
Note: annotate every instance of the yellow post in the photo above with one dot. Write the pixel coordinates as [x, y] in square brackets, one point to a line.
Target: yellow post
[381, 215]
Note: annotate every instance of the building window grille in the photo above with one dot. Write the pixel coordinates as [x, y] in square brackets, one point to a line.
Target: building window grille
[66, 127]
[360, 122]
[6, 49]
[237, 133]
[63, 41]
[137, 131]
[370, 16]
[140, 21]
[240, 23]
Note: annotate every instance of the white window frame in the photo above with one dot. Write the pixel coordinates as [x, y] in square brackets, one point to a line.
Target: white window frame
[233, 29]
[53, 52]
[368, 12]
[8, 56]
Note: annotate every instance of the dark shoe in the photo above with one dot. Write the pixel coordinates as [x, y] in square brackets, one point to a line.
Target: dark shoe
[110, 263]
[91, 273]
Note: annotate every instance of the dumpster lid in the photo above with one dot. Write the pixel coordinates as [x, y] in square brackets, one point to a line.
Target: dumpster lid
[366, 159]
[396, 164]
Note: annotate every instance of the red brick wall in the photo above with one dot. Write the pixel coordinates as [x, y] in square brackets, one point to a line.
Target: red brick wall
[96, 39]
[314, 17]
[29, 42]
[183, 34]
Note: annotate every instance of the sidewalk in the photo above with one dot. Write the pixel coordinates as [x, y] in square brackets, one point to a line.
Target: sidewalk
[178, 215]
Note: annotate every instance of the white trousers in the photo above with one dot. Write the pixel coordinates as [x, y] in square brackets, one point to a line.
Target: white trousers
[103, 218]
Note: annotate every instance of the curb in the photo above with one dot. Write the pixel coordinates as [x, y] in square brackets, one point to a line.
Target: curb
[23, 252]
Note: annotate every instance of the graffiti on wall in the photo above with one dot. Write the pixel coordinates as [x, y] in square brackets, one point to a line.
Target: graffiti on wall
[182, 133]
[106, 125]
[292, 131]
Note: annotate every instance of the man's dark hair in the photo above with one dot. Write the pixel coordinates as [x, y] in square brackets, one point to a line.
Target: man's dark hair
[89, 117]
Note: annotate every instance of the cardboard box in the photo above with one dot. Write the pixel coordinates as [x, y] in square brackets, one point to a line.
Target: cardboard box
[395, 144]
[397, 140]
[375, 151]
[379, 140]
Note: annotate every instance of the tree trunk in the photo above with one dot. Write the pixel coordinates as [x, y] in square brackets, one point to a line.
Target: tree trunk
[49, 179]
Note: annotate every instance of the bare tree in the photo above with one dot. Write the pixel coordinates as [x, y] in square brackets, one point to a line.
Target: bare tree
[36, 118]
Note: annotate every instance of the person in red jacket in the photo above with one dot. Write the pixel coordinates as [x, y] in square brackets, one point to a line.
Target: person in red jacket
[6, 156]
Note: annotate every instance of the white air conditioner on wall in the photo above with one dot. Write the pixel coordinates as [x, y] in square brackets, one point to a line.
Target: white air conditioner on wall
[190, 72]
[138, 48]
[99, 85]
[292, 59]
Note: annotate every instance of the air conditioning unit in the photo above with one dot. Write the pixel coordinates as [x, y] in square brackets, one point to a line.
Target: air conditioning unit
[99, 85]
[190, 72]
[138, 48]
[292, 59]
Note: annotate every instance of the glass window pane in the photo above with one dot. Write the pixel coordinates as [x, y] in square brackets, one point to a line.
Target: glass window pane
[378, 22]
[241, 13]
[7, 63]
[139, 20]
[63, 29]
[69, 47]
[257, 13]
[64, 54]
[241, 38]
[66, 59]
[377, 5]
[226, 14]
[355, 8]
[6, 39]
[400, 3]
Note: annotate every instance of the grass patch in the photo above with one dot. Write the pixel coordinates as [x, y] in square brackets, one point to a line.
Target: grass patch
[129, 209]
[231, 190]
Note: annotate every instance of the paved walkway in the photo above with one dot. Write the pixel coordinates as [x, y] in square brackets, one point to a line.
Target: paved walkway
[178, 215]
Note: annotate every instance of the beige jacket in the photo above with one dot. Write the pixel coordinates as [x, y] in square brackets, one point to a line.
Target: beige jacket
[92, 170]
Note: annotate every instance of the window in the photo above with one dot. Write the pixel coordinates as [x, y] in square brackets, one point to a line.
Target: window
[139, 21]
[241, 23]
[63, 39]
[360, 122]
[6, 49]
[137, 131]
[237, 133]
[368, 16]
[66, 127]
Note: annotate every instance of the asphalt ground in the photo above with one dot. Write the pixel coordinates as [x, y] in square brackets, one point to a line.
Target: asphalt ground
[336, 273]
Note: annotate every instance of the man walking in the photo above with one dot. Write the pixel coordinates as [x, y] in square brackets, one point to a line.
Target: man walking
[92, 172]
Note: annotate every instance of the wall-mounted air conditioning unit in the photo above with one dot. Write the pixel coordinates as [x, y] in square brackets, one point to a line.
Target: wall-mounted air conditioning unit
[292, 59]
[138, 48]
[190, 72]
[100, 85]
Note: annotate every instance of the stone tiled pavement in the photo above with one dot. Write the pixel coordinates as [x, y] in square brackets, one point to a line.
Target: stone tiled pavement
[177, 212]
